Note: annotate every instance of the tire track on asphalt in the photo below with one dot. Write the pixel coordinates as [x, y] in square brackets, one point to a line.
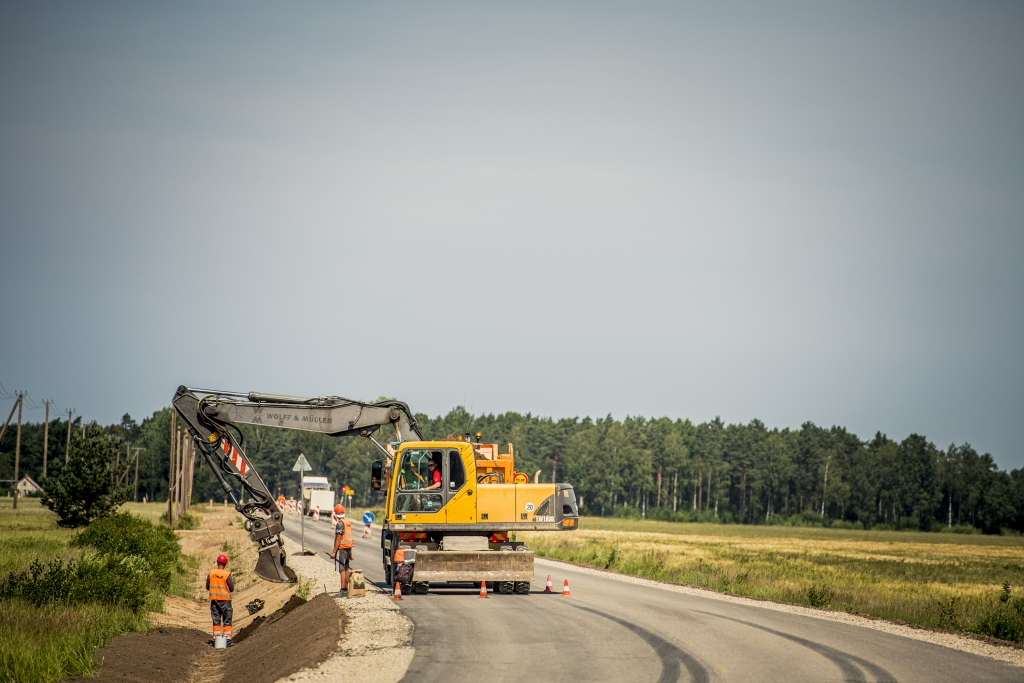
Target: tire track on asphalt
[850, 665]
[670, 655]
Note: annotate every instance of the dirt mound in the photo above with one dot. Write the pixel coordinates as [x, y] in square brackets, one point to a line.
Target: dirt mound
[162, 654]
[281, 645]
[293, 602]
[299, 635]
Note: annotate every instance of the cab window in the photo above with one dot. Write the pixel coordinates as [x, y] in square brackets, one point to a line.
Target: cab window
[415, 476]
[456, 472]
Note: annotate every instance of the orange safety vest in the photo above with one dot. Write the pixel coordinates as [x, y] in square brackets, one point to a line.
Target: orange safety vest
[345, 531]
[219, 584]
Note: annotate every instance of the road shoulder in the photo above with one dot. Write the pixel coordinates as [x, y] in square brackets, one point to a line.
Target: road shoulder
[377, 644]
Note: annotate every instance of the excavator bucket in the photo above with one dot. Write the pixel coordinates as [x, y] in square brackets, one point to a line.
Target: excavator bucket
[271, 566]
[469, 565]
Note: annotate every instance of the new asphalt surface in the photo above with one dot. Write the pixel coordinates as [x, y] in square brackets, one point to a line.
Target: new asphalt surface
[610, 630]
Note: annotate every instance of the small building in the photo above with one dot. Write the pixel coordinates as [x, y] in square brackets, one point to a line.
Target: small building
[28, 486]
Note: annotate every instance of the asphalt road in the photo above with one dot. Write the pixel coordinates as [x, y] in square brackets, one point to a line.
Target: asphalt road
[610, 630]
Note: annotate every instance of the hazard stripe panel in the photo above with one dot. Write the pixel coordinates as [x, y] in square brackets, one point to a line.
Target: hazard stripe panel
[236, 458]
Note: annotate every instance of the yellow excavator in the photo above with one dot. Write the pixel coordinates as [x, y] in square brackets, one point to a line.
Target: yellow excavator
[452, 506]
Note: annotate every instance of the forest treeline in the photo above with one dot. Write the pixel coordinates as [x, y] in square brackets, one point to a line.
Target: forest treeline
[655, 468]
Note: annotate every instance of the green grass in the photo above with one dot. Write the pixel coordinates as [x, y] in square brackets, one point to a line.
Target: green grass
[49, 643]
[42, 644]
[948, 581]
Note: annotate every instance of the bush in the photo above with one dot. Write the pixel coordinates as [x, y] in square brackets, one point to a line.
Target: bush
[186, 521]
[960, 529]
[127, 535]
[85, 488]
[1006, 620]
[118, 580]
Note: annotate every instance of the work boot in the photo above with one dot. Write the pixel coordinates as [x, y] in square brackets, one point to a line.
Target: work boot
[231, 643]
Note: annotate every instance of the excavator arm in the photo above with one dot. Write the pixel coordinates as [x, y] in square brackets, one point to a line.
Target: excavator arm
[208, 415]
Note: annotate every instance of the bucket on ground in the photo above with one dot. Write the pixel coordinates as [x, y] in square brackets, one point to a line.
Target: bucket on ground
[220, 642]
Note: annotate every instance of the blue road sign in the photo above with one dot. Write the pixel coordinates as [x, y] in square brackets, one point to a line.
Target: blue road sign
[367, 518]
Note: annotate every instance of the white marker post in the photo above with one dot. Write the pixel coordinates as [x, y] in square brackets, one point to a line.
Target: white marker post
[302, 465]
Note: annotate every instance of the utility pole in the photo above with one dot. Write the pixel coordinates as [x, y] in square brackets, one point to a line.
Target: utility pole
[67, 448]
[9, 416]
[46, 437]
[170, 474]
[17, 449]
[136, 498]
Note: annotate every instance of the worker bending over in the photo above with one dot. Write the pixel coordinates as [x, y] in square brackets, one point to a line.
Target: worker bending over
[221, 585]
[342, 553]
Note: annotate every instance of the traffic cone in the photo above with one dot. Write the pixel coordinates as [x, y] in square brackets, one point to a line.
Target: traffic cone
[548, 588]
[565, 589]
[483, 589]
[398, 591]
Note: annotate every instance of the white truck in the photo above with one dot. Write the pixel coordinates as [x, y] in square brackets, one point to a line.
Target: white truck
[316, 491]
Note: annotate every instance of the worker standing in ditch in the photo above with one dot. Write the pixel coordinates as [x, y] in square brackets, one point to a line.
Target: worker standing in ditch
[221, 585]
[342, 553]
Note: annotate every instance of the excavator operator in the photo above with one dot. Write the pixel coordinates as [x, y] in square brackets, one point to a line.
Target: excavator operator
[342, 552]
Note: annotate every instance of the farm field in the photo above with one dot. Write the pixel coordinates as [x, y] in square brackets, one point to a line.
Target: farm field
[948, 581]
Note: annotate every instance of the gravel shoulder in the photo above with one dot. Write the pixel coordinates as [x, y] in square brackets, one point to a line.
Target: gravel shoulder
[956, 641]
[376, 646]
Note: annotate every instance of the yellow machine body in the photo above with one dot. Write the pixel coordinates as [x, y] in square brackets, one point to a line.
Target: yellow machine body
[462, 527]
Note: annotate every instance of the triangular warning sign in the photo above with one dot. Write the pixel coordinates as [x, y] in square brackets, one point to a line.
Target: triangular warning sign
[302, 465]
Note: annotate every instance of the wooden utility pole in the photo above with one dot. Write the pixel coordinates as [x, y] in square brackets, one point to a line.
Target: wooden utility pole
[136, 497]
[67, 448]
[170, 473]
[17, 449]
[9, 416]
[46, 438]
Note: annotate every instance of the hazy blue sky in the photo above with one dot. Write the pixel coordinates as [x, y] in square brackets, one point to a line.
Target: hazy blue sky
[785, 211]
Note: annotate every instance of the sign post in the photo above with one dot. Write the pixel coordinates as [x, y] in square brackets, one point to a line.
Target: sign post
[302, 465]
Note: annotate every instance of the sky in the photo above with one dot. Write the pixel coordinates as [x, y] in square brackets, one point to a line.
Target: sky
[788, 211]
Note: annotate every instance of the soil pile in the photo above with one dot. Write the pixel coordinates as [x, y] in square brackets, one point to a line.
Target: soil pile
[162, 654]
[293, 602]
[300, 635]
[286, 642]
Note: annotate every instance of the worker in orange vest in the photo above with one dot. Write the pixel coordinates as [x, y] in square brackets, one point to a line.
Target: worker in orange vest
[342, 553]
[221, 585]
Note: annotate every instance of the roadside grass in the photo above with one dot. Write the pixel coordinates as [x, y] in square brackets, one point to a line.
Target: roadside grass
[948, 581]
[51, 642]
[47, 642]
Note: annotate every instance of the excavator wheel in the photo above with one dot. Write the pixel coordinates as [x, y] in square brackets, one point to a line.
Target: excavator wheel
[506, 587]
[420, 587]
[522, 588]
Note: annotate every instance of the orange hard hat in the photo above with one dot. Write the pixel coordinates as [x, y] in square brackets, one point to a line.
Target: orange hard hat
[222, 559]
[339, 509]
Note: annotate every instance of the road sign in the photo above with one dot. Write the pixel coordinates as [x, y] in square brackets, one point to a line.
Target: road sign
[302, 465]
[368, 517]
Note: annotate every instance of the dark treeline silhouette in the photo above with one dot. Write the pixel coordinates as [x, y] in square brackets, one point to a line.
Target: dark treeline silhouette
[654, 468]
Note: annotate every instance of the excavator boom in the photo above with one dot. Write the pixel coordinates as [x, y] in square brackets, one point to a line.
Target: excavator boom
[208, 415]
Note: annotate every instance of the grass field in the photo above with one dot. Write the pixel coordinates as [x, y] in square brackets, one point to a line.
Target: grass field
[51, 642]
[949, 581]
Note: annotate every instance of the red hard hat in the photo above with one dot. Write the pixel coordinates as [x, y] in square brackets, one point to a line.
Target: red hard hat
[222, 559]
[339, 508]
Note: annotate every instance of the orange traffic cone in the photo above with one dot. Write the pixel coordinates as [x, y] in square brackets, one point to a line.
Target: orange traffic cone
[548, 588]
[398, 591]
[483, 589]
[565, 589]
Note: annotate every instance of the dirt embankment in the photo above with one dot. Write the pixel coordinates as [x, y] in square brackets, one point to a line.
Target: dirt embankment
[303, 636]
